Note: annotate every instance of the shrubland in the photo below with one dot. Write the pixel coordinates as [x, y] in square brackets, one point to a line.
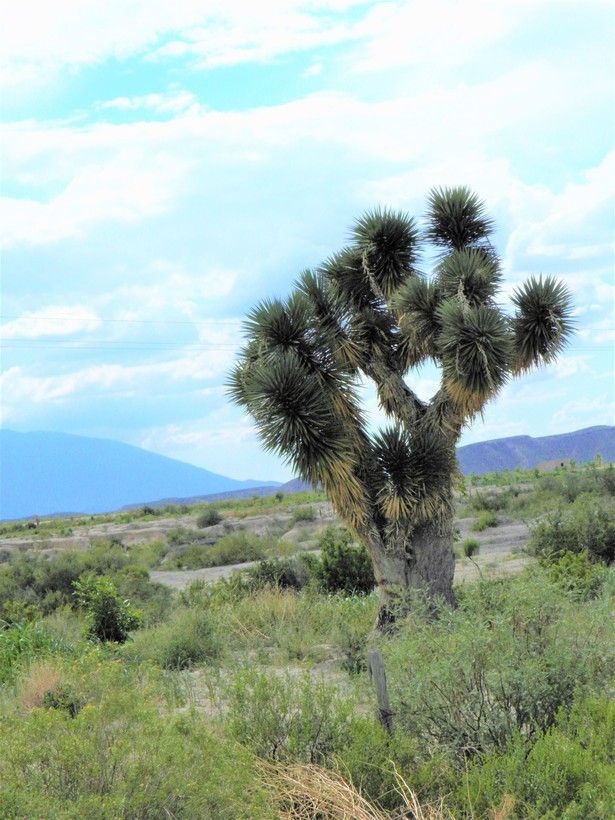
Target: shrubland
[250, 697]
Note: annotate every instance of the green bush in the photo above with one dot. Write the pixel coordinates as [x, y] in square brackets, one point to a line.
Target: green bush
[303, 514]
[208, 518]
[123, 754]
[484, 520]
[575, 573]
[237, 548]
[306, 720]
[344, 567]
[287, 573]
[587, 525]
[505, 661]
[568, 772]
[48, 582]
[108, 617]
[470, 547]
[21, 642]
[189, 638]
[490, 502]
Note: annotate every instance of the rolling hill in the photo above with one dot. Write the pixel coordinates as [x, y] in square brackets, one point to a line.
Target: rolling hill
[527, 452]
[50, 473]
[46, 473]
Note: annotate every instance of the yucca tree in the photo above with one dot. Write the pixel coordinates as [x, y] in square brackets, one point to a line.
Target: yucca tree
[370, 312]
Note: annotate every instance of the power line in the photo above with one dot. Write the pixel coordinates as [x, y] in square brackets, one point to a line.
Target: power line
[69, 316]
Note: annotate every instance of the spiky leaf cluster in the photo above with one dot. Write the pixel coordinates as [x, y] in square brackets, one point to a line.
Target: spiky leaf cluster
[475, 352]
[389, 244]
[414, 474]
[456, 219]
[368, 312]
[471, 275]
[542, 324]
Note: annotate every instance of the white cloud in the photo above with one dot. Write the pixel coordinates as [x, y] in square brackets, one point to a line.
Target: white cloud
[39, 38]
[174, 101]
[585, 412]
[54, 320]
[19, 387]
[568, 366]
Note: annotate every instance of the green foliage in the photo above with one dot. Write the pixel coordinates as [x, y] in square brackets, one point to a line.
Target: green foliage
[208, 518]
[575, 573]
[303, 514]
[47, 583]
[108, 617]
[239, 547]
[306, 719]
[123, 754]
[484, 520]
[588, 525]
[344, 567]
[470, 547]
[568, 772]
[287, 573]
[21, 642]
[188, 638]
[490, 502]
[506, 661]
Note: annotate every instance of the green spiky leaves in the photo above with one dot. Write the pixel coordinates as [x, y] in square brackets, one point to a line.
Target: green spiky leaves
[472, 275]
[542, 323]
[415, 473]
[456, 219]
[475, 347]
[389, 245]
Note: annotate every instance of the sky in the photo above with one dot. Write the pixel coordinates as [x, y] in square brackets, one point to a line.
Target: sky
[165, 166]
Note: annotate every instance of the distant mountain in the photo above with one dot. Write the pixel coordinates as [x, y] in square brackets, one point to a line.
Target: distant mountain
[46, 473]
[527, 452]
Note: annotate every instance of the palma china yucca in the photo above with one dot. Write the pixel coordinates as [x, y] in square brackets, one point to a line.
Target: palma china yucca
[371, 312]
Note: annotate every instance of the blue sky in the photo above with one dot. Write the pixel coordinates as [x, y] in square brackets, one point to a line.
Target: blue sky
[165, 166]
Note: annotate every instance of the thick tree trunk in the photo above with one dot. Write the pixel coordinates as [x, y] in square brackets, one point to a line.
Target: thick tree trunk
[425, 562]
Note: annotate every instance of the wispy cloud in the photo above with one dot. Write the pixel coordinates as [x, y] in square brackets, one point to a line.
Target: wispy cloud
[54, 320]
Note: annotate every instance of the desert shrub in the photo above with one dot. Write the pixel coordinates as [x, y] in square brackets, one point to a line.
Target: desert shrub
[122, 755]
[567, 772]
[194, 556]
[575, 573]
[147, 509]
[188, 638]
[587, 525]
[21, 642]
[19, 612]
[303, 514]
[306, 720]
[108, 617]
[287, 573]
[208, 518]
[48, 582]
[238, 547]
[485, 519]
[470, 547]
[152, 598]
[506, 661]
[490, 502]
[180, 536]
[344, 567]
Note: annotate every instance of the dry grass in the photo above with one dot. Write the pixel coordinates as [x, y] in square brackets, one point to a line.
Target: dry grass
[40, 678]
[308, 792]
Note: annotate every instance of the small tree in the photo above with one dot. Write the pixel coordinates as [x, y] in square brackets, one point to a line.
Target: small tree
[370, 312]
[109, 618]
